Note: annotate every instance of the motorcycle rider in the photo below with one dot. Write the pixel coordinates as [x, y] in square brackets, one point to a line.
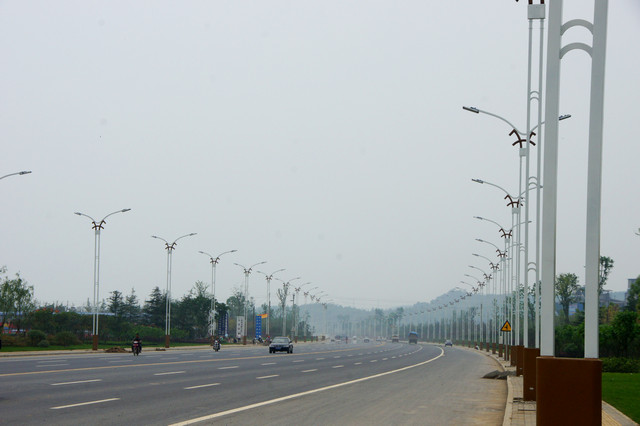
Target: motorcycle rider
[137, 340]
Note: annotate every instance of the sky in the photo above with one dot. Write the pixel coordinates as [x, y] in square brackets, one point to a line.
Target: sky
[326, 138]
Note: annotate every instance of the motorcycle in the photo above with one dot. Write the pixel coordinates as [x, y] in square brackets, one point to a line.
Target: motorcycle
[135, 348]
[216, 345]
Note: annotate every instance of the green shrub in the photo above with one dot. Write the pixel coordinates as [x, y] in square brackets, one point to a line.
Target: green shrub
[66, 338]
[620, 365]
[13, 340]
[44, 343]
[36, 336]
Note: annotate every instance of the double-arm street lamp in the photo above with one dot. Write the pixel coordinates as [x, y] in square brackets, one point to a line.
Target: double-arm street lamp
[212, 315]
[170, 247]
[247, 272]
[269, 277]
[97, 226]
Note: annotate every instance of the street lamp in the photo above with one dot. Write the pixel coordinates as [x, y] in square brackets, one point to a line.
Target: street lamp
[97, 226]
[247, 272]
[24, 172]
[269, 277]
[170, 247]
[212, 315]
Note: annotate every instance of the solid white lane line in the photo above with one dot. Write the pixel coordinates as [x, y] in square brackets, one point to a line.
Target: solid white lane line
[298, 395]
[268, 377]
[337, 366]
[51, 360]
[268, 363]
[73, 383]
[309, 371]
[169, 372]
[84, 403]
[50, 365]
[202, 386]
[226, 368]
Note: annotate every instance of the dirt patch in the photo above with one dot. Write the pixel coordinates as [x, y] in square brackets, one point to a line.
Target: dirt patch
[115, 350]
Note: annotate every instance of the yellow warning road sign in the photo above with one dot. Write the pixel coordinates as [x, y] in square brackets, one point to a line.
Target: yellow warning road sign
[506, 327]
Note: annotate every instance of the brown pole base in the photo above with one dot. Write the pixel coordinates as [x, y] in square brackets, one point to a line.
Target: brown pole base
[167, 338]
[493, 348]
[244, 340]
[519, 360]
[569, 391]
[514, 356]
[529, 373]
[500, 350]
[94, 343]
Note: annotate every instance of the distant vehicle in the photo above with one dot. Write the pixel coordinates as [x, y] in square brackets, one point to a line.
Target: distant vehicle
[413, 337]
[281, 344]
[365, 340]
[448, 343]
[395, 339]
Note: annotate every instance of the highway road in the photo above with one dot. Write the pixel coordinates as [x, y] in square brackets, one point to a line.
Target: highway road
[364, 383]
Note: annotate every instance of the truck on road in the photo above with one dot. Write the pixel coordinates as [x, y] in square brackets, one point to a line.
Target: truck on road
[413, 337]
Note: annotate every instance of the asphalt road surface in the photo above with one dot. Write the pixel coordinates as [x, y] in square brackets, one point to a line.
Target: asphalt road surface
[320, 383]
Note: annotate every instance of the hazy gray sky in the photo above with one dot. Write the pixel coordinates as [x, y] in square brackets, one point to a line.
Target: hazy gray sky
[326, 138]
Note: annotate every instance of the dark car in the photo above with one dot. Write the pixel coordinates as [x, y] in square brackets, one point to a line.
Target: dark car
[281, 344]
[448, 343]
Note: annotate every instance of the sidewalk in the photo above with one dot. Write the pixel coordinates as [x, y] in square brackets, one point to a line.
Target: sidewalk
[518, 412]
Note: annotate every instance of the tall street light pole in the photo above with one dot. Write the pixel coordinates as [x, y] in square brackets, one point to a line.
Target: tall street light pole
[212, 315]
[167, 322]
[269, 277]
[247, 272]
[97, 226]
[524, 154]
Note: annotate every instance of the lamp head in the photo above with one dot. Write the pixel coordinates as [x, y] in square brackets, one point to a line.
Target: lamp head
[471, 109]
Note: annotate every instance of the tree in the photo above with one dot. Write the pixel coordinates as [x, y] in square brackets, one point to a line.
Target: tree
[192, 312]
[16, 299]
[116, 303]
[236, 302]
[625, 330]
[606, 264]
[131, 307]
[155, 308]
[566, 290]
[633, 295]
[282, 293]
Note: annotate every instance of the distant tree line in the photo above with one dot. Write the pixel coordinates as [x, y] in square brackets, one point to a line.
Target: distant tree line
[123, 315]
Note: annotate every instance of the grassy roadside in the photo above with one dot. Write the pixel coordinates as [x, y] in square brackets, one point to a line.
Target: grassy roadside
[622, 390]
